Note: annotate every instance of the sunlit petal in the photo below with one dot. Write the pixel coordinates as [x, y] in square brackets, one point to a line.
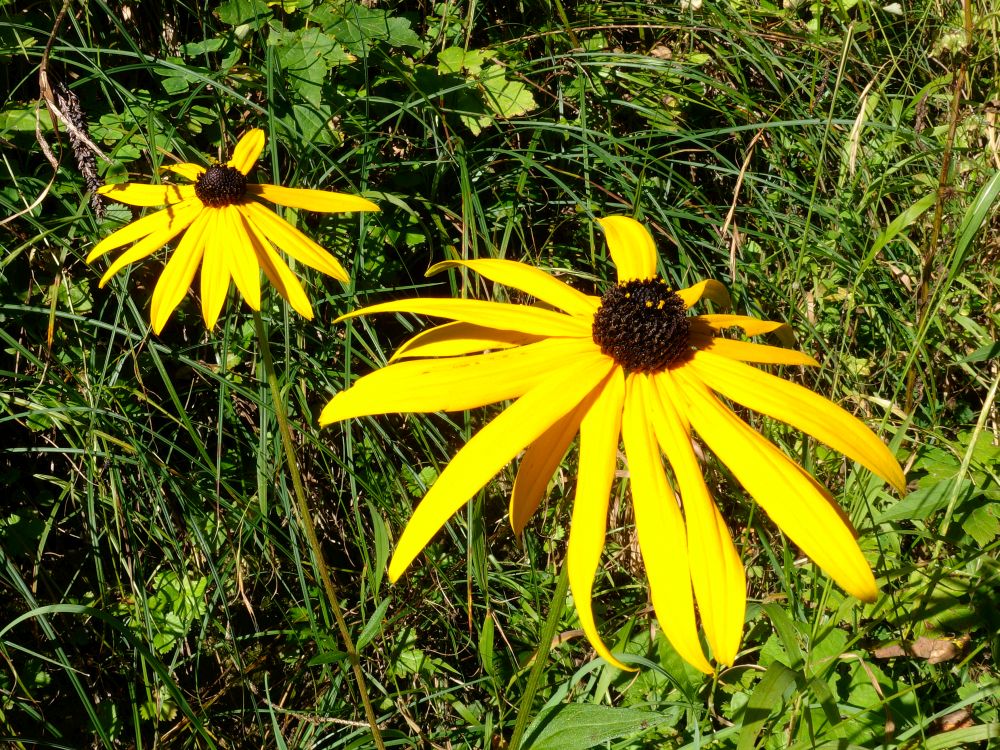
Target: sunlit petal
[493, 446]
[538, 464]
[631, 248]
[707, 289]
[138, 194]
[147, 225]
[185, 169]
[534, 321]
[716, 570]
[180, 221]
[598, 458]
[243, 263]
[781, 488]
[453, 339]
[801, 408]
[215, 269]
[292, 241]
[746, 351]
[277, 271]
[660, 527]
[429, 385]
[529, 280]
[311, 200]
[247, 151]
[179, 272]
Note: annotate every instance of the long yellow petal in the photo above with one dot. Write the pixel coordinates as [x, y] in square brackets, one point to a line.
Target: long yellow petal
[709, 288]
[534, 321]
[277, 271]
[716, 570]
[802, 409]
[143, 227]
[241, 258]
[785, 492]
[631, 247]
[311, 200]
[454, 339]
[179, 272]
[138, 194]
[746, 351]
[599, 434]
[529, 280]
[247, 151]
[180, 221]
[215, 268]
[429, 385]
[185, 169]
[750, 326]
[292, 241]
[493, 446]
[538, 464]
[662, 538]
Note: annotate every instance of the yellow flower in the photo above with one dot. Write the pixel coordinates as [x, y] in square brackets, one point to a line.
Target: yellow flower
[631, 364]
[227, 230]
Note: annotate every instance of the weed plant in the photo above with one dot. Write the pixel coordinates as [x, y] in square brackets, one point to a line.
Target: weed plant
[836, 165]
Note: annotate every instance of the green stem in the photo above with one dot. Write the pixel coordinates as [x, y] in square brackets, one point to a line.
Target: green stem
[541, 657]
[305, 521]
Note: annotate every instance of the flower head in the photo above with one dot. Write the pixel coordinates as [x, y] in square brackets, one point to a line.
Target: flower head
[227, 230]
[631, 365]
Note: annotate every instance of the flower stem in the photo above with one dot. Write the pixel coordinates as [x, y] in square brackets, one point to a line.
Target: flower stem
[305, 520]
[541, 657]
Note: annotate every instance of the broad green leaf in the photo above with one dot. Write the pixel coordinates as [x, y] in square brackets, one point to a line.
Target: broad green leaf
[982, 523]
[373, 624]
[239, 12]
[507, 98]
[583, 725]
[771, 692]
[925, 501]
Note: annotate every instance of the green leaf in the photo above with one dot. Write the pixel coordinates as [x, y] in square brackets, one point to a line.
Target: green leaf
[240, 12]
[902, 221]
[583, 725]
[925, 501]
[458, 60]
[359, 28]
[372, 626]
[984, 353]
[770, 693]
[306, 57]
[982, 523]
[505, 97]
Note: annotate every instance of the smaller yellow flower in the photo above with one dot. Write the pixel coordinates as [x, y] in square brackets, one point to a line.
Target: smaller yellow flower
[227, 230]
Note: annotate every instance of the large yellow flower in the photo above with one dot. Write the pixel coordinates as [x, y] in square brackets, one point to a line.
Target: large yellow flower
[629, 364]
[227, 230]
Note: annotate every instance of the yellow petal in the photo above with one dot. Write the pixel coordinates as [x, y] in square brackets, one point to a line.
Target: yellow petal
[185, 169]
[750, 326]
[716, 570]
[493, 446]
[801, 408]
[311, 200]
[454, 339]
[180, 221]
[143, 227]
[709, 288]
[179, 272]
[786, 493]
[292, 241]
[538, 464]
[242, 260]
[429, 385]
[529, 280]
[534, 321]
[215, 269]
[631, 247]
[660, 527]
[247, 151]
[137, 194]
[745, 351]
[599, 434]
[277, 271]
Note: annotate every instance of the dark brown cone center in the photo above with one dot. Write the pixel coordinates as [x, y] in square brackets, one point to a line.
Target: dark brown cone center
[221, 186]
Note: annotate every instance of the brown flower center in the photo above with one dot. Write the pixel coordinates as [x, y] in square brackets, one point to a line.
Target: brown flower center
[641, 325]
[221, 186]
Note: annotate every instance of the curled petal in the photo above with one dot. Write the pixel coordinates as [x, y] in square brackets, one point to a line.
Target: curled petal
[662, 538]
[802, 409]
[138, 194]
[247, 151]
[787, 494]
[185, 169]
[598, 456]
[750, 326]
[631, 247]
[429, 385]
[493, 446]
[454, 339]
[529, 280]
[323, 201]
[709, 288]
